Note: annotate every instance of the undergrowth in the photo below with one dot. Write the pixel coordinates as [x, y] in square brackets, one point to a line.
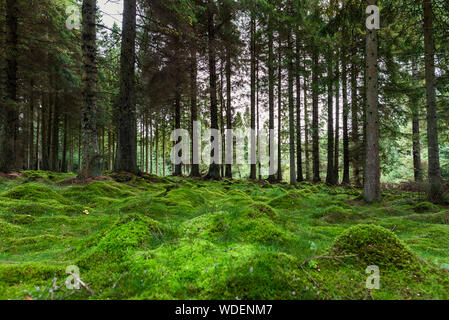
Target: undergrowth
[176, 238]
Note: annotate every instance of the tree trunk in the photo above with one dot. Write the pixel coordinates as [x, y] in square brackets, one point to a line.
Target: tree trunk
[337, 124]
[371, 190]
[222, 104]
[291, 110]
[31, 127]
[64, 145]
[330, 120]
[91, 158]
[214, 169]
[194, 109]
[55, 135]
[355, 126]
[315, 120]
[299, 172]
[253, 100]
[126, 158]
[435, 181]
[306, 125]
[416, 142]
[279, 175]
[345, 118]
[157, 148]
[230, 142]
[8, 114]
[178, 167]
[271, 58]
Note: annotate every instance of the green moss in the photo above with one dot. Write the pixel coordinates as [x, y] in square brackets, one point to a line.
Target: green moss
[337, 214]
[288, 201]
[375, 245]
[42, 207]
[438, 218]
[28, 272]
[7, 229]
[99, 193]
[46, 176]
[176, 238]
[33, 191]
[45, 238]
[183, 198]
[268, 276]
[261, 230]
[426, 207]
[262, 210]
[128, 234]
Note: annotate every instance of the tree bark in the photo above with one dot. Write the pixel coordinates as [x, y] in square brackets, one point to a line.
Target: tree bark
[337, 124]
[435, 190]
[291, 109]
[315, 120]
[230, 143]
[299, 173]
[195, 172]
[90, 166]
[253, 100]
[345, 118]
[126, 157]
[355, 125]
[178, 167]
[8, 114]
[214, 169]
[417, 169]
[371, 190]
[279, 173]
[330, 120]
[271, 57]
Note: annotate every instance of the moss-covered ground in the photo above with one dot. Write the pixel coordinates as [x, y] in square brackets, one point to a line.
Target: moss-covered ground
[177, 238]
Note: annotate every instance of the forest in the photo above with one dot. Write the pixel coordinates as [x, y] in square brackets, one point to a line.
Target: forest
[224, 149]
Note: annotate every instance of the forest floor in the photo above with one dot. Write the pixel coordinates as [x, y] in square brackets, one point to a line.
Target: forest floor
[177, 238]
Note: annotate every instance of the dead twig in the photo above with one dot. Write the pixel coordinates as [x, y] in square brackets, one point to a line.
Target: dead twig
[85, 286]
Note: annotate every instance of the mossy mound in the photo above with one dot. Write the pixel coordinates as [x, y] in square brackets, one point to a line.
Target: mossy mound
[35, 272]
[436, 218]
[247, 226]
[40, 208]
[262, 230]
[288, 201]
[375, 245]
[46, 176]
[99, 192]
[426, 207]
[35, 192]
[260, 210]
[268, 276]
[337, 214]
[128, 234]
[181, 197]
[8, 229]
